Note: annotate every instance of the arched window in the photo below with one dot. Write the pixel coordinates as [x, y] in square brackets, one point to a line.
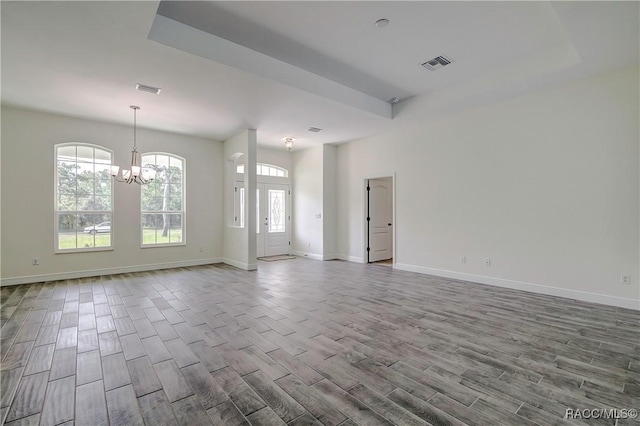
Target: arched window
[162, 201]
[84, 197]
[263, 169]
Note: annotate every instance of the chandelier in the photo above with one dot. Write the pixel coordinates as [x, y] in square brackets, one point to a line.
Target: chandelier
[135, 173]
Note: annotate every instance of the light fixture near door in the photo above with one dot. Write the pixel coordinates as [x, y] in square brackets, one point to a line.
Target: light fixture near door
[135, 173]
[288, 142]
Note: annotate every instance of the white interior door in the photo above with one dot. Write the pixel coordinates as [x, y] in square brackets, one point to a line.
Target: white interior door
[274, 220]
[381, 214]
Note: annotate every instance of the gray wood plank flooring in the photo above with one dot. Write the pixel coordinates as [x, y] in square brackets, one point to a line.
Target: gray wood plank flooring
[302, 342]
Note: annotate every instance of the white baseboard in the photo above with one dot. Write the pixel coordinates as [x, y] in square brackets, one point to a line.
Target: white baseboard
[107, 271]
[356, 259]
[309, 255]
[315, 256]
[240, 265]
[584, 296]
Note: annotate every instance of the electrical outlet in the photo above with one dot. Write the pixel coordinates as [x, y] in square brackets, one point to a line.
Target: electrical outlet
[463, 260]
[201, 250]
[35, 261]
[625, 279]
[487, 261]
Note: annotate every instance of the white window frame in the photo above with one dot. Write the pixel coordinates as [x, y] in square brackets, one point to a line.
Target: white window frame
[264, 169]
[58, 212]
[183, 211]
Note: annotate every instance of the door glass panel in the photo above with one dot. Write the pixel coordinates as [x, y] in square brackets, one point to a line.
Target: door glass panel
[277, 210]
[241, 208]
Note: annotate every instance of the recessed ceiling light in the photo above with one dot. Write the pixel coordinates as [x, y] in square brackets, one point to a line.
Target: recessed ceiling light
[381, 23]
[149, 89]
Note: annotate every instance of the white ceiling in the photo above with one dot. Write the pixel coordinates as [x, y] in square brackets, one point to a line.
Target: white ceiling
[281, 67]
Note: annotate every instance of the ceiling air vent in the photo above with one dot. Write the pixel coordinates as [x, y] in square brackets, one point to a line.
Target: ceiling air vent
[149, 89]
[314, 129]
[437, 63]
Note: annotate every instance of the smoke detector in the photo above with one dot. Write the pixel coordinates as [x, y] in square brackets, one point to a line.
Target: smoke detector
[437, 63]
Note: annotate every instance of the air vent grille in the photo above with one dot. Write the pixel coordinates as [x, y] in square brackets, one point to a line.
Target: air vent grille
[149, 89]
[314, 129]
[437, 63]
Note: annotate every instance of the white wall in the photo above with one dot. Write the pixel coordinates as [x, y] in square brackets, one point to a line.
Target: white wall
[546, 185]
[315, 202]
[28, 171]
[330, 202]
[307, 202]
[240, 243]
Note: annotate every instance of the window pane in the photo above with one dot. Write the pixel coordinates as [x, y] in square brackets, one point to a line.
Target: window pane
[103, 187]
[85, 153]
[162, 161]
[67, 152]
[258, 226]
[67, 225]
[83, 197]
[175, 199]
[102, 203]
[155, 204]
[175, 228]
[164, 194]
[241, 206]
[102, 157]
[67, 176]
[150, 224]
[277, 210]
[102, 171]
[85, 204]
[66, 202]
[175, 175]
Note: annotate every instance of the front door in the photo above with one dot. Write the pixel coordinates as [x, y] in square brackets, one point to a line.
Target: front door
[380, 214]
[274, 219]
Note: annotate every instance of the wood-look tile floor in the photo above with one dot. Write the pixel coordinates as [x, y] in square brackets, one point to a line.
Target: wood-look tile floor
[304, 342]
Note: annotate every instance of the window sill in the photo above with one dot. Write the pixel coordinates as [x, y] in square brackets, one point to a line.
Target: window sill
[146, 246]
[82, 250]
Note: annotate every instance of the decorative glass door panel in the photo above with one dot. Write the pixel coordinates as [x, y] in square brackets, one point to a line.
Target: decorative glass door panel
[277, 210]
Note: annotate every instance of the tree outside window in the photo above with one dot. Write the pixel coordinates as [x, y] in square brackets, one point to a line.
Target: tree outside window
[83, 197]
[162, 201]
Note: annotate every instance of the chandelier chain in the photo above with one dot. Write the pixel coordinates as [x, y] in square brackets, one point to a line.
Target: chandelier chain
[136, 173]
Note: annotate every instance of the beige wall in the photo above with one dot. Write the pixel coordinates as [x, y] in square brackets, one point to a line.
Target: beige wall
[28, 140]
[545, 184]
[307, 202]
